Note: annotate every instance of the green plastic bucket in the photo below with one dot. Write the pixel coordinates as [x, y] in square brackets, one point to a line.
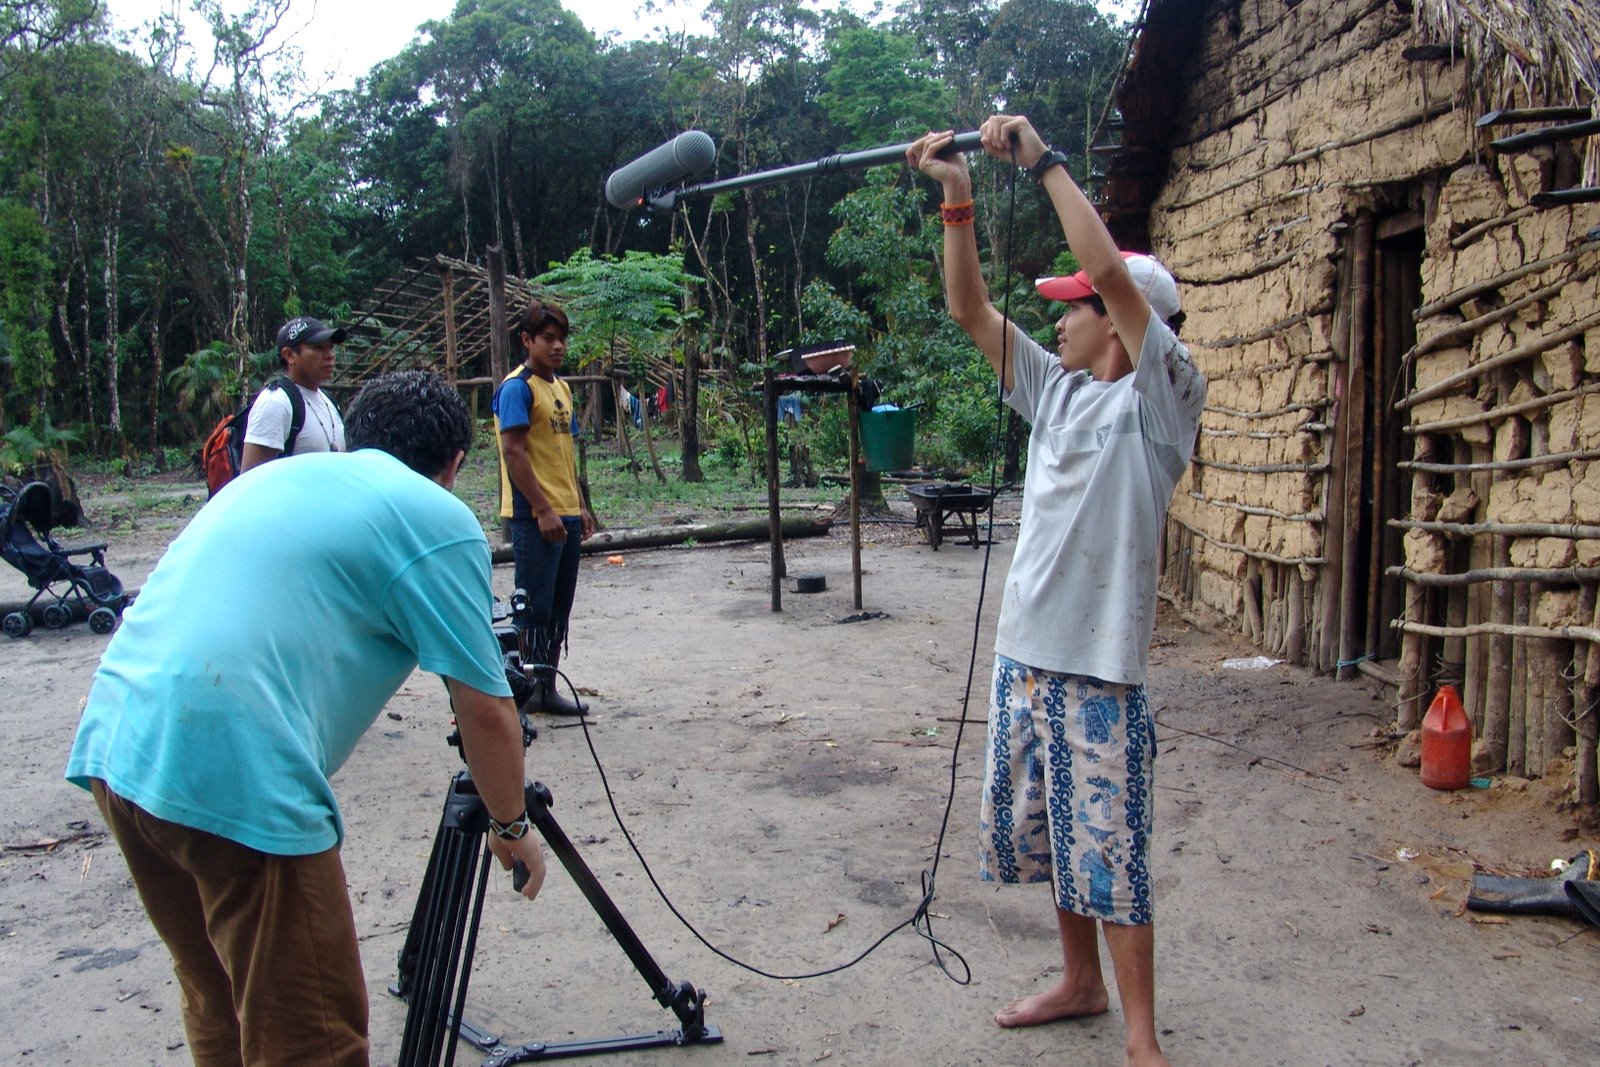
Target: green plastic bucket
[887, 439]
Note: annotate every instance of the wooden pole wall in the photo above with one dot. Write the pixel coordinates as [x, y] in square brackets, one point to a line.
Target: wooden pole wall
[1334, 484]
[1586, 721]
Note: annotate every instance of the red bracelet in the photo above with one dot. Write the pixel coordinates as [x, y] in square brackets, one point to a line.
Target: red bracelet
[957, 214]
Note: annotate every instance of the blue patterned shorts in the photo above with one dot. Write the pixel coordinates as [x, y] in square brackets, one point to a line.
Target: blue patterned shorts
[1067, 790]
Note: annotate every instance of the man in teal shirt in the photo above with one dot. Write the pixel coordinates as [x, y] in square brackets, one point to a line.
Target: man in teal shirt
[263, 645]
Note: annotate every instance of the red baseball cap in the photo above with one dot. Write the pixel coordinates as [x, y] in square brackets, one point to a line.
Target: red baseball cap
[1154, 281]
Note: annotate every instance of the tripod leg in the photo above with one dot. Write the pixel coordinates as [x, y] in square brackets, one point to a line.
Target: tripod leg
[439, 946]
[681, 998]
[467, 952]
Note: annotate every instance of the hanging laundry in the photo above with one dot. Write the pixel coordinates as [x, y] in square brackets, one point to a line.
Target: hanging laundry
[633, 404]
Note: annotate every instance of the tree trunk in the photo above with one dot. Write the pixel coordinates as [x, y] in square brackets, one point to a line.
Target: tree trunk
[698, 533]
[522, 267]
[109, 244]
[760, 357]
[158, 376]
[689, 401]
[84, 354]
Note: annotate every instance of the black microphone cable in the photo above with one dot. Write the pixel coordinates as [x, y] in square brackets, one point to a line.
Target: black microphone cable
[921, 918]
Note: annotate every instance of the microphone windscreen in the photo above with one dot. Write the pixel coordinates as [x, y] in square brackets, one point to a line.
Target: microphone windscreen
[687, 154]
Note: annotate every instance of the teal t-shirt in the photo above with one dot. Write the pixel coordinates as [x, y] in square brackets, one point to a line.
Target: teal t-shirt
[270, 636]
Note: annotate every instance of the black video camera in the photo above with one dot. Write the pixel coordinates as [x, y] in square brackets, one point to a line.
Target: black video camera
[511, 644]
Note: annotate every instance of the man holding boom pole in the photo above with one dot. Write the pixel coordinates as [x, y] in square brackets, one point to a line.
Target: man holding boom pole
[1068, 786]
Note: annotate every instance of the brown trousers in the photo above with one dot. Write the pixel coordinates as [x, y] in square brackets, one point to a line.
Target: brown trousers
[264, 947]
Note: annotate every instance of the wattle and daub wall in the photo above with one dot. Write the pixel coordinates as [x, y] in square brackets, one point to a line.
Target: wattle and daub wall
[1398, 468]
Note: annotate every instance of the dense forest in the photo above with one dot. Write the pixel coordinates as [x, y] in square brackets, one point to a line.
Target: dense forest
[164, 205]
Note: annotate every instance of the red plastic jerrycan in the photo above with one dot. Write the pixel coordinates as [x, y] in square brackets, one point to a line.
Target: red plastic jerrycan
[1446, 742]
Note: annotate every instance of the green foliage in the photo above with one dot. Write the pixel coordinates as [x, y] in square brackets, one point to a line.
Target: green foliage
[630, 305]
[483, 123]
[26, 446]
[881, 88]
[209, 384]
[729, 491]
[897, 320]
[732, 430]
[1054, 61]
[28, 359]
[189, 200]
[28, 27]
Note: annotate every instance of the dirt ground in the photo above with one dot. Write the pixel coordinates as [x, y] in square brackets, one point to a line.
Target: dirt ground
[785, 776]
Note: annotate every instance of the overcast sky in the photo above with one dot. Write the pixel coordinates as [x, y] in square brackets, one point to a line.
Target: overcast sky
[344, 38]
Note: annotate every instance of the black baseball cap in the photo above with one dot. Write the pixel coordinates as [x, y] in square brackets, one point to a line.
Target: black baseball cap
[305, 330]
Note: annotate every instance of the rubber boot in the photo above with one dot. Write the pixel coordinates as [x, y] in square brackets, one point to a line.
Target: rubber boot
[547, 694]
[1542, 896]
[1585, 897]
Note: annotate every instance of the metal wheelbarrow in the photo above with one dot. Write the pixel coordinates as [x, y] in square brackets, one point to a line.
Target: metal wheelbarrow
[944, 508]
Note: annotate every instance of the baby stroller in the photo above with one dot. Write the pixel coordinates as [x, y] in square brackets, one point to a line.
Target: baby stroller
[26, 544]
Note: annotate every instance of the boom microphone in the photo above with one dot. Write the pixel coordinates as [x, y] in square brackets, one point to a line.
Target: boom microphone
[685, 155]
[661, 198]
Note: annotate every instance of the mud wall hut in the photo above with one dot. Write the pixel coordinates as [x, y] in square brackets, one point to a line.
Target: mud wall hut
[1386, 225]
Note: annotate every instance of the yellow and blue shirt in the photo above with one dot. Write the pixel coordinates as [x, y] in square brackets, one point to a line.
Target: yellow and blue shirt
[544, 410]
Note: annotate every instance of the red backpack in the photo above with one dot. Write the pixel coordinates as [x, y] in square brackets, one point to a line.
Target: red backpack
[223, 452]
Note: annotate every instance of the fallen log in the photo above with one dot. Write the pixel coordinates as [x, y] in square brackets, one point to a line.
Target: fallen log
[700, 533]
[80, 610]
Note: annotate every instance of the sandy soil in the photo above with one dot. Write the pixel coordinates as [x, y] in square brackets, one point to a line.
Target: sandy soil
[785, 776]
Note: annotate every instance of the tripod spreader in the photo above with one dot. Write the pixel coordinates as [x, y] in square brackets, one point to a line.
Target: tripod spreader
[450, 893]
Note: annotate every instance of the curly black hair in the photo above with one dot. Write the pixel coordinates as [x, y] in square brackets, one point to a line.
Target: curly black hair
[415, 416]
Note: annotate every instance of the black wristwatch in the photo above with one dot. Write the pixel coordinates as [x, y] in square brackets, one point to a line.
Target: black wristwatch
[515, 830]
[1051, 158]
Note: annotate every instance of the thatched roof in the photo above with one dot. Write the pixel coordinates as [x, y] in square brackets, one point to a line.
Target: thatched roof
[1523, 53]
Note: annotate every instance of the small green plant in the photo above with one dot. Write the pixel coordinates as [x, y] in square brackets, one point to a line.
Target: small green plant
[26, 447]
[209, 383]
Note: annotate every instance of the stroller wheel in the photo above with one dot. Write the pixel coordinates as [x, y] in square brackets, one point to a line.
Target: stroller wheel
[57, 615]
[18, 624]
[102, 620]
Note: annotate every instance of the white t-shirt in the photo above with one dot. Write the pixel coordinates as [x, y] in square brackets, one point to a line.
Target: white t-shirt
[270, 418]
[1103, 461]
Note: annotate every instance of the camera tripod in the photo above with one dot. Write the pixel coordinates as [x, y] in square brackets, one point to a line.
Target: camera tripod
[436, 960]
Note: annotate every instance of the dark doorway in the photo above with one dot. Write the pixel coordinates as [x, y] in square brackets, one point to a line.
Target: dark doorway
[1396, 280]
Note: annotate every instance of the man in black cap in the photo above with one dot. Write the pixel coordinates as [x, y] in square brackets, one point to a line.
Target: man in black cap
[281, 424]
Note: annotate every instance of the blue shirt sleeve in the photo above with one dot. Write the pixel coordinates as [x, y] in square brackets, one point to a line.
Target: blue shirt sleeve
[513, 404]
[440, 606]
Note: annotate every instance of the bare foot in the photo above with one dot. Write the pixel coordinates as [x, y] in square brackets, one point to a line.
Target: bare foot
[1146, 1059]
[1057, 1002]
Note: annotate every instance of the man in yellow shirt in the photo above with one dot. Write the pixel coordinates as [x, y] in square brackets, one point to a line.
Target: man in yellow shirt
[539, 495]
